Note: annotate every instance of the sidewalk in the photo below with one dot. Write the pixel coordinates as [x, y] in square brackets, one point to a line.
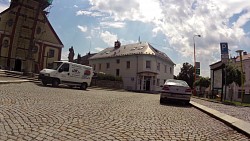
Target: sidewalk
[235, 116]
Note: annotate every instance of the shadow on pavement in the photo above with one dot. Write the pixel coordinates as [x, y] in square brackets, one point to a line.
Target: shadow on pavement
[176, 104]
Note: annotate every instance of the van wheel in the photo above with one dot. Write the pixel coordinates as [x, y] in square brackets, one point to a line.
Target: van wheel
[44, 83]
[55, 82]
[83, 86]
[162, 101]
[186, 102]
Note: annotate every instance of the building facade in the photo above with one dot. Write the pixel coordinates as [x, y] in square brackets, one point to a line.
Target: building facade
[141, 66]
[232, 92]
[28, 42]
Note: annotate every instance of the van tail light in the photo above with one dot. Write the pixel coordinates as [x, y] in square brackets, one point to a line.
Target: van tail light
[188, 90]
[166, 88]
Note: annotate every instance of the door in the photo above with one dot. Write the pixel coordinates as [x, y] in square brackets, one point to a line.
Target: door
[147, 83]
[18, 65]
[64, 72]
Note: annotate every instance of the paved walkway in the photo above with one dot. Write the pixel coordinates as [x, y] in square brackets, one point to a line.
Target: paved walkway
[239, 112]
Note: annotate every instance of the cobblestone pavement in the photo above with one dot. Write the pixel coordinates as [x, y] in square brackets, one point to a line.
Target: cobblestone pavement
[33, 112]
[235, 111]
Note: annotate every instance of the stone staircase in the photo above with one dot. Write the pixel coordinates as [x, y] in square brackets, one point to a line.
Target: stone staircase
[19, 75]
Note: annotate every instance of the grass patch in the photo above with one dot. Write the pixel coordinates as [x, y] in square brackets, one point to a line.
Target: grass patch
[236, 103]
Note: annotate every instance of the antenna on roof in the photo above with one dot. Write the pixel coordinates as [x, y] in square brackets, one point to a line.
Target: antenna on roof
[89, 45]
[139, 40]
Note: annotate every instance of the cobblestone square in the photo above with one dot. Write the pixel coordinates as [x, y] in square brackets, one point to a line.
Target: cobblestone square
[32, 112]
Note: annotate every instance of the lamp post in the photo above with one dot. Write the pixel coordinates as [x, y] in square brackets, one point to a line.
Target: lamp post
[195, 63]
[241, 69]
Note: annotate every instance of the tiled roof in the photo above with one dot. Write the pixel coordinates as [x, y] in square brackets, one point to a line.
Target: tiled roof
[131, 49]
[244, 57]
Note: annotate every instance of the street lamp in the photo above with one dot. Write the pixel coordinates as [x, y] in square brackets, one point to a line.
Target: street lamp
[195, 63]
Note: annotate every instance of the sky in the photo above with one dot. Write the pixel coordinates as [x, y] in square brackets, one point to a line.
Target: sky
[168, 25]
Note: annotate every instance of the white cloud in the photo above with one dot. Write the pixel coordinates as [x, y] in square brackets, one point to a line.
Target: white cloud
[75, 6]
[3, 7]
[113, 24]
[99, 49]
[64, 55]
[88, 13]
[88, 37]
[177, 69]
[108, 38]
[83, 28]
[179, 21]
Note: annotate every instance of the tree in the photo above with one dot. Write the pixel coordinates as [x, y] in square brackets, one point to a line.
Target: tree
[233, 74]
[187, 74]
[203, 82]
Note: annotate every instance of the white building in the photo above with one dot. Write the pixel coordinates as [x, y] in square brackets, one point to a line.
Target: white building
[141, 66]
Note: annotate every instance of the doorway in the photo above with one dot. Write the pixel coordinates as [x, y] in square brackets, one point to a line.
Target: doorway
[147, 83]
[18, 65]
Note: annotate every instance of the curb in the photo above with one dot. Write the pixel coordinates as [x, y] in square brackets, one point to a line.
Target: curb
[238, 124]
[13, 81]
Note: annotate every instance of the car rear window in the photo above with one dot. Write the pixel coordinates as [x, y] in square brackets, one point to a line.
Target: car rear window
[176, 82]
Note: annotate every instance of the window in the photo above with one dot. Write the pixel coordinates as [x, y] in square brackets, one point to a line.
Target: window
[108, 65]
[117, 72]
[165, 70]
[65, 67]
[158, 82]
[100, 66]
[128, 64]
[164, 81]
[51, 53]
[94, 67]
[170, 69]
[148, 64]
[5, 43]
[158, 66]
[118, 61]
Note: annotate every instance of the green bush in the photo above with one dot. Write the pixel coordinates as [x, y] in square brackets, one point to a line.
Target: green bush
[103, 76]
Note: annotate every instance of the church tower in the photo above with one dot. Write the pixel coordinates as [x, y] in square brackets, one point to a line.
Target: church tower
[28, 43]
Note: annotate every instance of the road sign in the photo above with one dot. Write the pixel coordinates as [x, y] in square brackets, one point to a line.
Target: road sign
[198, 72]
[197, 64]
[224, 48]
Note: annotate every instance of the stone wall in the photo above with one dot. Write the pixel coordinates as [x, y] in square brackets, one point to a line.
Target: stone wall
[107, 84]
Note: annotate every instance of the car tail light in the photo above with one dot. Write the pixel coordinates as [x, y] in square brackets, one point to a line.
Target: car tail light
[188, 90]
[166, 88]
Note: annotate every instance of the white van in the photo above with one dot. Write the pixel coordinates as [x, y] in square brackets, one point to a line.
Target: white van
[67, 73]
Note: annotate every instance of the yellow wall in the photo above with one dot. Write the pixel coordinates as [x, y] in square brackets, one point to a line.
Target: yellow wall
[24, 26]
[50, 60]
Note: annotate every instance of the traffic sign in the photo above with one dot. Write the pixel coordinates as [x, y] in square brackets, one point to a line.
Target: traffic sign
[198, 72]
[224, 48]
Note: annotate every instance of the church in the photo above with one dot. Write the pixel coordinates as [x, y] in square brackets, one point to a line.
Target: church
[28, 42]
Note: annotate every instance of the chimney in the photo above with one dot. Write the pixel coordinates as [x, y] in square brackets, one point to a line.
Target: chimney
[244, 53]
[117, 44]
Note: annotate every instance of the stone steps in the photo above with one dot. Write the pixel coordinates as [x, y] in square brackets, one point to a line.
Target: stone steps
[20, 75]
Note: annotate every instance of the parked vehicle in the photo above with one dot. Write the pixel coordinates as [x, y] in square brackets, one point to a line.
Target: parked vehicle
[175, 90]
[67, 73]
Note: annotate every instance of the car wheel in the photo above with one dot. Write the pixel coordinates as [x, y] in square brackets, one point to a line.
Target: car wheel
[44, 83]
[83, 86]
[186, 102]
[162, 101]
[55, 83]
